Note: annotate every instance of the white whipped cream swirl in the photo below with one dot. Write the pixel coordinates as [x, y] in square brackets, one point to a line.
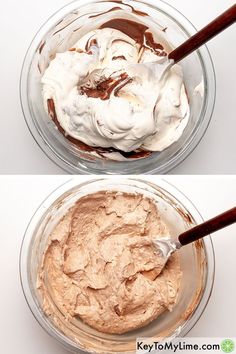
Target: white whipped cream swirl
[140, 111]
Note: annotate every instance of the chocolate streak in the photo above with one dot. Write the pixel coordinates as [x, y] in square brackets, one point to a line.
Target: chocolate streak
[91, 43]
[104, 88]
[138, 32]
[137, 12]
[122, 57]
[132, 29]
[41, 46]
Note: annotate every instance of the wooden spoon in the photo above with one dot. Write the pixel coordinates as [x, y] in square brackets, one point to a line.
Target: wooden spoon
[218, 25]
[166, 246]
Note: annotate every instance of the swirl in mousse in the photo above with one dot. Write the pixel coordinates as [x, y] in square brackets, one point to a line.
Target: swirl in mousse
[106, 91]
[100, 265]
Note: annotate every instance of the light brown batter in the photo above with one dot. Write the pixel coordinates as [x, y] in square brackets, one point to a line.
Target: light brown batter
[101, 265]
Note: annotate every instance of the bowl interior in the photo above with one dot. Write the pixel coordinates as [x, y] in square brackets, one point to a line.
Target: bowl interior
[193, 264]
[63, 30]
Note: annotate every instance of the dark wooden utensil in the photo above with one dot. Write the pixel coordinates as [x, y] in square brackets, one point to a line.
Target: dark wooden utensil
[208, 227]
[166, 246]
[211, 30]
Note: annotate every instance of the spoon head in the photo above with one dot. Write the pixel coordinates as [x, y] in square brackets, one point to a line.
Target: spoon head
[165, 247]
[158, 68]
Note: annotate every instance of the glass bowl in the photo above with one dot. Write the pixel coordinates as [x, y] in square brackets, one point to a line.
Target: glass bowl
[61, 31]
[197, 263]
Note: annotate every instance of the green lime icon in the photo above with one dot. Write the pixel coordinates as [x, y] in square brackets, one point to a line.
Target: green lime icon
[227, 346]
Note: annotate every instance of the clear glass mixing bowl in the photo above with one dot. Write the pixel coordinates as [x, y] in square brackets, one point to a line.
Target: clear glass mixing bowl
[61, 31]
[197, 263]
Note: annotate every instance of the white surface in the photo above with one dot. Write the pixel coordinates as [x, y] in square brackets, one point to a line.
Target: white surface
[20, 196]
[19, 21]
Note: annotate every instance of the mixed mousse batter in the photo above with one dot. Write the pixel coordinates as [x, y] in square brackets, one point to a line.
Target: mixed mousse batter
[106, 90]
[100, 265]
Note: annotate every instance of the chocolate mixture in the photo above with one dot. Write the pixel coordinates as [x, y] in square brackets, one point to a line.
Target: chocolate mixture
[102, 266]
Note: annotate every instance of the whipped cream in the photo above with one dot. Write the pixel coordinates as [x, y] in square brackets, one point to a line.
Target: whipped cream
[107, 92]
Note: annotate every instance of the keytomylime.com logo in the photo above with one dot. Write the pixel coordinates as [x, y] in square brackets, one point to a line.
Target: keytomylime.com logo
[227, 346]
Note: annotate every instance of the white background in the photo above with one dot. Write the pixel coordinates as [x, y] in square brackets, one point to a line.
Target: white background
[20, 196]
[20, 20]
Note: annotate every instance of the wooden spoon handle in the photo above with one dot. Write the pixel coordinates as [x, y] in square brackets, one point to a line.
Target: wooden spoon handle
[211, 30]
[210, 226]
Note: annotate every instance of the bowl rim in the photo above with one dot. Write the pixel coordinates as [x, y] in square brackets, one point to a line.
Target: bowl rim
[81, 168]
[72, 183]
